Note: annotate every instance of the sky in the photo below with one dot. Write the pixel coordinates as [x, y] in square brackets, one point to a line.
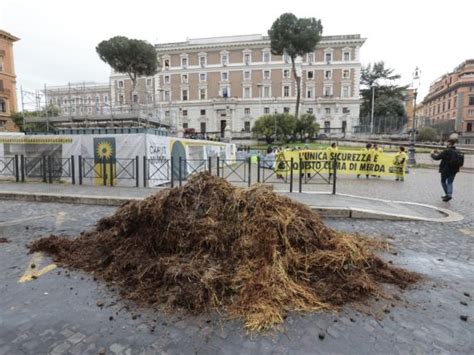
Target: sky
[58, 37]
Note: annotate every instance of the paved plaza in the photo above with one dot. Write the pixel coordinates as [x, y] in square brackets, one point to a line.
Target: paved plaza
[59, 311]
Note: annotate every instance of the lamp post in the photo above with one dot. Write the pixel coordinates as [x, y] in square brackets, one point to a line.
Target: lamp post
[372, 110]
[275, 117]
[411, 149]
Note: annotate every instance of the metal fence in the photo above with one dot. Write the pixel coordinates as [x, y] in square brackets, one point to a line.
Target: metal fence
[292, 174]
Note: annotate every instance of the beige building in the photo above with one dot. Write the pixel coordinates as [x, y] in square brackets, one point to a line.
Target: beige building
[226, 83]
[8, 103]
[451, 98]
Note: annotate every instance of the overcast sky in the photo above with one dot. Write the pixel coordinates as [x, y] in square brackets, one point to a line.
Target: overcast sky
[58, 37]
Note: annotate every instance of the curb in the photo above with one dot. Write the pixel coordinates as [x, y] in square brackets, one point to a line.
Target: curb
[328, 212]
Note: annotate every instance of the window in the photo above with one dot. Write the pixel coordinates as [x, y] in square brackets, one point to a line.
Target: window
[469, 127]
[266, 57]
[266, 110]
[286, 109]
[148, 82]
[286, 91]
[344, 126]
[310, 58]
[327, 127]
[202, 61]
[203, 127]
[449, 104]
[310, 110]
[167, 113]
[167, 64]
[266, 74]
[347, 56]
[246, 92]
[345, 74]
[266, 91]
[202, 77]
[106, 99]
[247, 58]
[247, 110]
[345, 110]
[310, 75]
[135, 98]
[327, 90]
[471, 100]
[224, 59]
[247, 126]
[202, 94]
[309, 93]
[247, 75]
[185, 113]
[225, 92]
[3, 105]
[286, 73]
[185, 125]
[327, 110]
[167, 79]
[184, 78]
[224, 76]
[121, 99]
[149, 99]
[286, 58]
[1, 63]
[470, 112]
[120, 84]
[184, 63]
[345, 91]
[184, 95]
[203, 112]
[327, 74]
[328, 57]
[167, 95]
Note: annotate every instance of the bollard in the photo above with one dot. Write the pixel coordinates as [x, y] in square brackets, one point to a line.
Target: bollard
[137, 170]
[300, 180]
[73, 171]
[17, 174]
[291, 175]
[258, 169]
[80, 169]
[145, 162]
[179, 170]
[218, 172]
[210, 165]
[104, 172]
[111, 162]
[172, 171]
[250, 170]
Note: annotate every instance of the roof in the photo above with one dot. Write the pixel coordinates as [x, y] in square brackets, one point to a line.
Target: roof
[8, 35]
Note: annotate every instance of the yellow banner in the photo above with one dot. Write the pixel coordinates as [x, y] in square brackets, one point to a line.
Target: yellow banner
[34, 140]
[348, 162]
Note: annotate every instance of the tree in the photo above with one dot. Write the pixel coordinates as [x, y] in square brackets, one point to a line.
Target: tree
[306, 126]
[278, 126]
[295, 37]
[133, 57]
[388, 96]
[428, 134]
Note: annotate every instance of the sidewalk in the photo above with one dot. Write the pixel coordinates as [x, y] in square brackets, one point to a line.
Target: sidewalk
[328, 205]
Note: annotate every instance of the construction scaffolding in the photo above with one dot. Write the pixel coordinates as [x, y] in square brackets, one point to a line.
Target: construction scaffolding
[87, 105]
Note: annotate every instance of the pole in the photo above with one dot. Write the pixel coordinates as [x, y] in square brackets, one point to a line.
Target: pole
[80, 169]
[372, 111]
[411, 149]
[22, 109]
[137, 171]
[73, 170]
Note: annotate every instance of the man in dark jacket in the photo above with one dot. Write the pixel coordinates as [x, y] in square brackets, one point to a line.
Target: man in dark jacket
[448, 168]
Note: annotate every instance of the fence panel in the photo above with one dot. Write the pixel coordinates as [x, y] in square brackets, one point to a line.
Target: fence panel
[8, 167]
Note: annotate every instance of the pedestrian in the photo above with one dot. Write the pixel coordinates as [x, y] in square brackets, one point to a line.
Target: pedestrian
[399, 161]
[375, 152]
[365, 150]
[451, 161]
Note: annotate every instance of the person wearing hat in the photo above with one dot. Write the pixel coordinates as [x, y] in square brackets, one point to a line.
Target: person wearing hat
[451, 162]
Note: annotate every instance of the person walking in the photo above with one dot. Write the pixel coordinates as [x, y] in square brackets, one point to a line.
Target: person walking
[400, 164]
[451, 161]
[365, 150]
[375, 152]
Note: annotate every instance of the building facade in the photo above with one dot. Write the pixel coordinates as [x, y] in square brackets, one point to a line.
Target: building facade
[8, 103]
[451, 100]
[213, 85]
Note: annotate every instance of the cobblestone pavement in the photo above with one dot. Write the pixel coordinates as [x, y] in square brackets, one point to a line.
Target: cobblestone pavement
[58, 313]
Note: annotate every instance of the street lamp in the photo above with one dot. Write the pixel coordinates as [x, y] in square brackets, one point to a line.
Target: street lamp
[275, 117]
[372, 110]
[415, 86]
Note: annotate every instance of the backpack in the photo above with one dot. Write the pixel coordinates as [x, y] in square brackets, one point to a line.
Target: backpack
[456, 160]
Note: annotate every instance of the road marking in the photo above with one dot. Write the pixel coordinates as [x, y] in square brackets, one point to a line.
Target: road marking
[61, 216]
[22, 220]
[467, 231]
[34, 272]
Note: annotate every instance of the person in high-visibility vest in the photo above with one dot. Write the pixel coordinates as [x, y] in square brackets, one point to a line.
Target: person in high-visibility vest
[331, 149]
[365, 150]
[399, 161]
[376, 151]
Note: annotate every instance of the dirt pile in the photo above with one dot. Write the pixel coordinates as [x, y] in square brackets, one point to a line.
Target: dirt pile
[210, 245]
